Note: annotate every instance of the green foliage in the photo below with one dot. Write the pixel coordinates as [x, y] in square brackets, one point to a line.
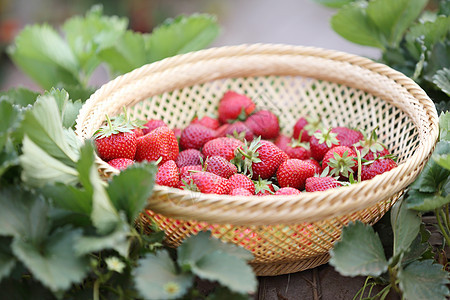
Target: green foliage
[56, 61]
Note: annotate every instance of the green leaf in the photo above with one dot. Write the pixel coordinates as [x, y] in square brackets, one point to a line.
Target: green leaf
[44, 56]
[7, 259]
[443, 160]
[127, 53]
[442, 80]
[416, 250]
[20, 96]
[334, 3]
[89, 34]
[405, 225]
[43, 125]
[23, 215]
[156, 277]
[8, 157]
[69, 198]
[394, 17]
[39, 168]
[116, 240]
[67, 108]
[423, 280]
[10, 117]
[444, 126]
[54, 263]
[359, 252]
[211, 259]
[181, 35]
[130, 189]
[431, 32]
[425, 201]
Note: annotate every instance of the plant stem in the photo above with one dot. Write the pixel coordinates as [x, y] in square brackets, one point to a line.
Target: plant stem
[96, 295]
[437, 212]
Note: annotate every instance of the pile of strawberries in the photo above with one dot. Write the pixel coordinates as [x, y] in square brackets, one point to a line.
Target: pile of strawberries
[242, 152]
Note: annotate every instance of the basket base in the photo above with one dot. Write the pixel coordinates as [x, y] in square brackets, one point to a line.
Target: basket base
[281, 268]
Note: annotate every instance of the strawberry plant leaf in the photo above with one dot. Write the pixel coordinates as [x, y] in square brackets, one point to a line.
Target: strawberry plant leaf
[426, 201]
[43, 125]
[10, 117]
[68, 109]
[89, 34]
[394, 18]
[405, 225]
[359, 252]
[19, 96]
[423, 280]
[352, 23]
[7, 259]
[53, 262]
[181, 35]
[130, 189]
[334, 3]
[157, 278]
[41, 53]
[442, 80]
[444, 126]
[443, 160]
[39, 168]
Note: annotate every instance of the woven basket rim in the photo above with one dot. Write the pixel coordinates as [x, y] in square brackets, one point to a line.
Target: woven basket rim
[290, 205]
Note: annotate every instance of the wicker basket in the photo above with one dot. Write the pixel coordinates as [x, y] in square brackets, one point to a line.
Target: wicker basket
[291, 233]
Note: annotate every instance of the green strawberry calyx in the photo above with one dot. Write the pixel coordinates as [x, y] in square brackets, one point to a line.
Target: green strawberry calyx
[328, 137]
[124, 120]
[295, 143]
[111, 128]
[314, 124]
[341, 165]
[246, 156]
[263, 185]
[370, 142]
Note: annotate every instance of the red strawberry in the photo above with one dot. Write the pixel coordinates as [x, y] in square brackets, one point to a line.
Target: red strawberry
[264, 123]
[177, 132]
[297, 149]
[370, 148]
[346, 136]
[377, 167]
[194, 136]
[185, 174]
[282, 141]
[321, 142]
[341, 160]
[189, 157]
[207, 122]
[160, 142]
[316, 165]
[239, 131]
[222, 146]
[168, 174]
[259, 159]
[307, 127]
[314, 183]
[220, 166]
[264, 187]
[287, 191]
[293, 173]
[221, 130]
[121, 163]
[152, 124]
[240, 192]
[138, 131]
[242, 181]
[115, 141]
[210, 183]
[234, 106]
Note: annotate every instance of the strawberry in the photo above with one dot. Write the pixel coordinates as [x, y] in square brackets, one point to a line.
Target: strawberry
[222, 146]
[317, 183]
[189, 157]
[139, 132]
[259, 159]
[370, 147]
[210, 183]
[121, 163]
[234, 106]
[221, 130]
[239, 131]
[115, 141]
[377, 167]
[264, 123]
[264, 187]
[168, 174]
[306, 127]
[185, 174]
[194, 136]
[287, 191]
[242, 181]
[297, 149]
[177, 132]
[152, 124]
[341, 160]
[160, 142]
[207, 122]
[282, 141]
[294, 172]
[321, 142]
[240, 192]
[346, 136]
[316, 164]
[220, 166]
